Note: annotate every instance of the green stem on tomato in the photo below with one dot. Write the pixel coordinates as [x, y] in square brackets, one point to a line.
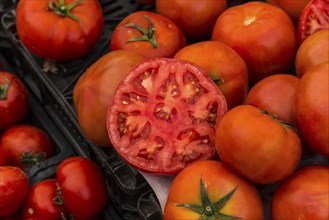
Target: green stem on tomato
[4, 88]
[285, 124]
[63, 9]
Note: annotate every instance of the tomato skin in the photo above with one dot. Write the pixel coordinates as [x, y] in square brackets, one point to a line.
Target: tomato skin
[83, 188]
[14, 186]
[14, 100]
[219, 179]
[269, 43]
[55, 37]
[102, 77]
[254, 144]
[303, 195]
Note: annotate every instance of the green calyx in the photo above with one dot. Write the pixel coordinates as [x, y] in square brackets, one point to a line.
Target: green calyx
[147, 34]
[217, 80]
[4, 88]
[209, 211]
[63, 9]
[29, 158]
[285, 124]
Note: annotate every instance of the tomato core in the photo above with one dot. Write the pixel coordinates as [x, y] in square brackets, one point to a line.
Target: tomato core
[249, 20]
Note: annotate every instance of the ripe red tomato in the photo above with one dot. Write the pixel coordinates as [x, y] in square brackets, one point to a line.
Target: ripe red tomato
[254, 143]
[14, 100]
[59, 30]
[163, 115]
[149, 34]
[82, 186]
[4, 158]
[26, 145]
[303, 195]
[42, 202]
[263, 35]
[314, 17]
[196, 18]
[14, 186]
[225, 66]
[311, 108]
[94, 90]
[210, 188]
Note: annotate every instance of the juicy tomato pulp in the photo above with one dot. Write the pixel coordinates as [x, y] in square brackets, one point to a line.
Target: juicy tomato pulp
[163, 115]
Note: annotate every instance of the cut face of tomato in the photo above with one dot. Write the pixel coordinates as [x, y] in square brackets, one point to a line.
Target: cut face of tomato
[163, 115]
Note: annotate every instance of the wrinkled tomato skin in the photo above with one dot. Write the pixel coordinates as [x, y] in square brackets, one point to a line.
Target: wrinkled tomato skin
[269, 42]
[303, 195]
[219, 179]
[102, 77]
[14, 186]
[14, 101]
[56, 37]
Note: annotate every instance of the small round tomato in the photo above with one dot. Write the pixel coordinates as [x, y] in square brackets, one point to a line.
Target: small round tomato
[163, 115]
[94, 90]
[303, 195]
[225, 66]
[254, 143]
[59, 30]
[82, 187]
[14, 186]
[148, 34]
[42, 202]
[210, 190]
[26, 145]
[14, 100]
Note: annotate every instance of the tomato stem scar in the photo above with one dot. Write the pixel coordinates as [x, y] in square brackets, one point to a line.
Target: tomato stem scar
[4, 88]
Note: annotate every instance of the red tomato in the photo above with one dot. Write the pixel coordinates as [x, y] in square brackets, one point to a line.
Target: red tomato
[263, 35]
[4, 158]
[163, 115]
[93, 92]
[314, 17]
[304, 195]
[196, 18]
[42, 202]
[311, 108]
[82, 186]
[14, 186]
[59, 30]
[223, 65]
[254, 143]
[26, 145]
[198, 190]
[14, 100]
[148, 34]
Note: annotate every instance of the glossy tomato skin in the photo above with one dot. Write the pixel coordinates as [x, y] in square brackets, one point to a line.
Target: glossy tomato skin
[94, 90]
[83, 188]
[55, 37]
[254, 144]
[303, 195]
[14, 186]
[163, 115]
[218, 179]
[311, 108]
[196, 18]
[262, 34]
[14, 100]
[39, 203]
[223, 65]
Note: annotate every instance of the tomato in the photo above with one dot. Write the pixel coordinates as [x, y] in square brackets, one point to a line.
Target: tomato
[262, 34]
[195, 18]
[14, 100]
[223, 65]
[82, 186]
[314, 17]
[4, 157]
[311, 108]
[14, 186]
[42, 202]
[93, 92]
[304, 195]
[210, 190]
[26, 145]
[148, 34]
[163, 115]
[254, 143]
[59, 30]
[313, 50]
